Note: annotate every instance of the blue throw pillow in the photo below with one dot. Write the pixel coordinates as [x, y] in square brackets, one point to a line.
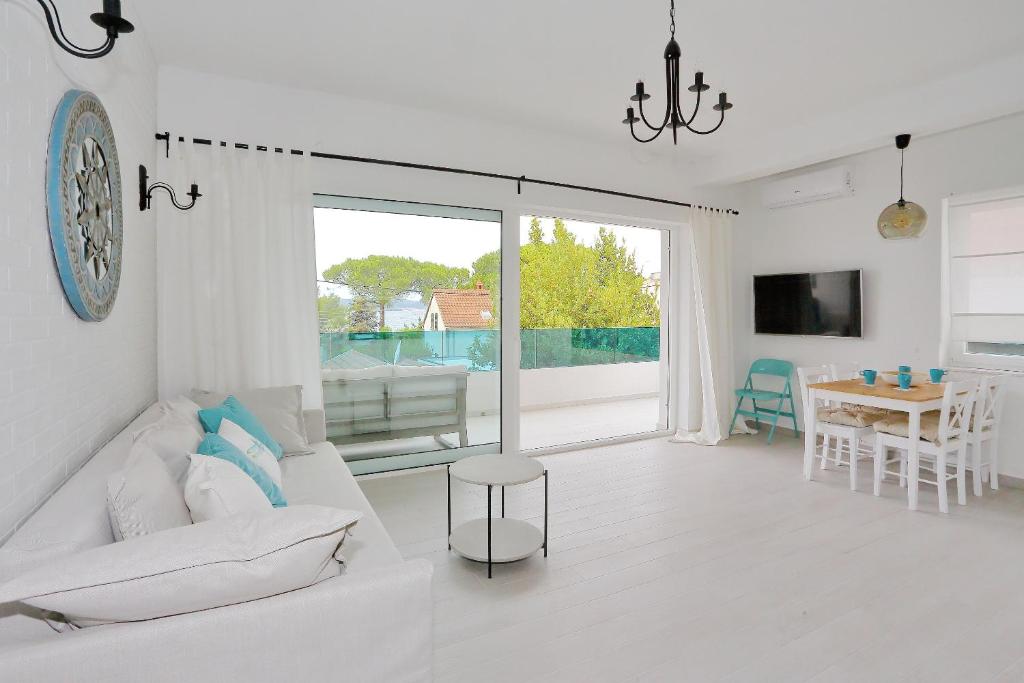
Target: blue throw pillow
[219, 447]
[233, 409]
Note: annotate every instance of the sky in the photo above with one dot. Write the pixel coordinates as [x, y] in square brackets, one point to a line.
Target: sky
[342, 234]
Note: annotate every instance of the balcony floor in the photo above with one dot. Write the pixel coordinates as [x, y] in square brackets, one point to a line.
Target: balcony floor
[539, 428]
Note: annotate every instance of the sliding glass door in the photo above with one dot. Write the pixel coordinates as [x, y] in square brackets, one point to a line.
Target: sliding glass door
[593, 331]
[409, 300]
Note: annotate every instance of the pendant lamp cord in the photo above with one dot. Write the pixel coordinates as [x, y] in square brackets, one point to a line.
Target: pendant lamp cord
[901, 177]
[672, 16]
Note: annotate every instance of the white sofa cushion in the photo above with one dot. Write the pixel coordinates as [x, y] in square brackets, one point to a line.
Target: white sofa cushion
[184, 408]
[216, 488]
[172, 437]
[323, 478]
[191, 568]
[143, 498]
[252, 448]
[279, 410]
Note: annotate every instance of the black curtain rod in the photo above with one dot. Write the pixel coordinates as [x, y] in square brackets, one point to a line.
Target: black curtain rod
[519, 180]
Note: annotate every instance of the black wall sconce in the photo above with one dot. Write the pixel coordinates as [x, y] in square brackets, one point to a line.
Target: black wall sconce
[146, 192]
[110, 19]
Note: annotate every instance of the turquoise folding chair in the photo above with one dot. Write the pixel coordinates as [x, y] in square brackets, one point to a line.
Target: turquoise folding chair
[773, 368]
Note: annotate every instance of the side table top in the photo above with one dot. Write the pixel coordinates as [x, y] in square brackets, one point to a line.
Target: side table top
[497, 470]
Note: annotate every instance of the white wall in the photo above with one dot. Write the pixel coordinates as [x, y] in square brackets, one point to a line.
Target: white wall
[66, 386]
[901, 278]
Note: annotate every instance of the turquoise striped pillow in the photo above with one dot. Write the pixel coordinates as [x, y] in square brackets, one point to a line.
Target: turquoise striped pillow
[233, 409]
[219, 447]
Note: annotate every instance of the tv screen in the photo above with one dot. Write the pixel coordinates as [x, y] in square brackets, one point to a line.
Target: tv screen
[821, 304]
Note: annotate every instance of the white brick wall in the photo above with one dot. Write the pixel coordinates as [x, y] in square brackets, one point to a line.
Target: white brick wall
[66, 386]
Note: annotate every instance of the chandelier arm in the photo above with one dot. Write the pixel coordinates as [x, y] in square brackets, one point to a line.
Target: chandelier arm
[668, 103]
[643, 117]
[658, 131]
[721, 120]
[57, 31]
[696, 109]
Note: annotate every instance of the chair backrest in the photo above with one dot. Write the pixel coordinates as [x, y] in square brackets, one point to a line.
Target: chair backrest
[771, 366]
[957, 408]
[845, 370]
[811, 375]
[988, 406]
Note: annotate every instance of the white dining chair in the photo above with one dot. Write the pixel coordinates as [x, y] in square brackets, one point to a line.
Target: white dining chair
[943, 434]
[844, 370]
[830, 425]
[988, 410]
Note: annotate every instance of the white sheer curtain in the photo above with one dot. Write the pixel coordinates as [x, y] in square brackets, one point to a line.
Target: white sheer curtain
[707, 372]
[236, 283]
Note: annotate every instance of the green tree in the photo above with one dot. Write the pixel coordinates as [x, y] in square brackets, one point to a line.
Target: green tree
[332, 312]
[363, 316]
[565, 283]
[379, 280]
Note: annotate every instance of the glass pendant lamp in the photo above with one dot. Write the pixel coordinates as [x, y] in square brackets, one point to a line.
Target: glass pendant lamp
[903, 219]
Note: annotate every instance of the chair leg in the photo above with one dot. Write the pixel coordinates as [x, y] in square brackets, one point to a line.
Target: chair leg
[771, 432]
[854, 451]
[792, 410]
[825, 441]
[993, 459]
[735, 414]
[976, 446]
[961, 475]
[839, 451]
[903, 470]
[940, 481]
[880, 453]
[757, 418]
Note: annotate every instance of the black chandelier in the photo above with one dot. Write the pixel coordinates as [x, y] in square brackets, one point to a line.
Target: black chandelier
[110, 19]
[674, 118]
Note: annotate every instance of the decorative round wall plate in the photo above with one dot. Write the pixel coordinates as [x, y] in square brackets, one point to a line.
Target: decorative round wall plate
[83, 204]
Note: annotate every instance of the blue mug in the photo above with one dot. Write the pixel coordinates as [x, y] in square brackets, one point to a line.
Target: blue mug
[869, 377]
[936, 375]
[905, 378]
[904, 368]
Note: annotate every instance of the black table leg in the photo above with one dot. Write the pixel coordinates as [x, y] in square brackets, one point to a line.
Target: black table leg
[489, 487]
[545, 513]
[503, 502]
[449, 507]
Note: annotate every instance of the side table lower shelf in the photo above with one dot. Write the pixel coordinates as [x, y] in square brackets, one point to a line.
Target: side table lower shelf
[511, 540]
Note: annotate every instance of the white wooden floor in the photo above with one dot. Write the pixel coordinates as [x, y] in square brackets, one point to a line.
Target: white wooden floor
[673, 562]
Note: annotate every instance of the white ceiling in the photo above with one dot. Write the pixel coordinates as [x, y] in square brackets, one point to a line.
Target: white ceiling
[811, 79]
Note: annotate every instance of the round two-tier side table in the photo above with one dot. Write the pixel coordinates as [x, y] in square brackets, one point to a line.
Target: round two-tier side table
[502, 539]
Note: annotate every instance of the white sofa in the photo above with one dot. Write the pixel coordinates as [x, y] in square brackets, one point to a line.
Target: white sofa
[372, 623]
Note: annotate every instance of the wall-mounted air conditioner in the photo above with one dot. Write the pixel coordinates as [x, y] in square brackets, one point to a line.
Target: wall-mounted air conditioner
[808, 187]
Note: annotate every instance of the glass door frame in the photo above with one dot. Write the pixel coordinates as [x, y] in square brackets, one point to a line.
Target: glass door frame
[673, 234]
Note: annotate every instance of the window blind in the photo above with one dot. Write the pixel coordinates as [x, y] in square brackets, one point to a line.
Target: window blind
[986, 271]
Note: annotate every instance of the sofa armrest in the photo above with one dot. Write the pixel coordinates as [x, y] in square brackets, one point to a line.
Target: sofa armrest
[316, 425]
[367, 626]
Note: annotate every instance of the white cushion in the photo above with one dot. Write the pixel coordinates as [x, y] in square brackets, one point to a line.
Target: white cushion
[143, 498]
[173, 438]
[183, 407]
[216, 488]
[279, 410]
[253, 448]
[190, 568]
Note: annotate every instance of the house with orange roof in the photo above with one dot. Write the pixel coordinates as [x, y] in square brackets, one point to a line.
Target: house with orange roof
[459, 309]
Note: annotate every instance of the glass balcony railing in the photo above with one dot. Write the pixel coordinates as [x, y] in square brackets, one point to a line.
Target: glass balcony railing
[479, 349]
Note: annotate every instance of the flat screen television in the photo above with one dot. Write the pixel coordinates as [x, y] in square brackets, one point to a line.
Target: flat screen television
[818, 304]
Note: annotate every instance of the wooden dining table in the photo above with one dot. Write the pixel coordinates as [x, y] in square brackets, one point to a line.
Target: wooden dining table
[914, 401]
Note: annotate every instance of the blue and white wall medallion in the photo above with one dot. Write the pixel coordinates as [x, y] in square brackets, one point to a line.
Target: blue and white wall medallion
[83, 204]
